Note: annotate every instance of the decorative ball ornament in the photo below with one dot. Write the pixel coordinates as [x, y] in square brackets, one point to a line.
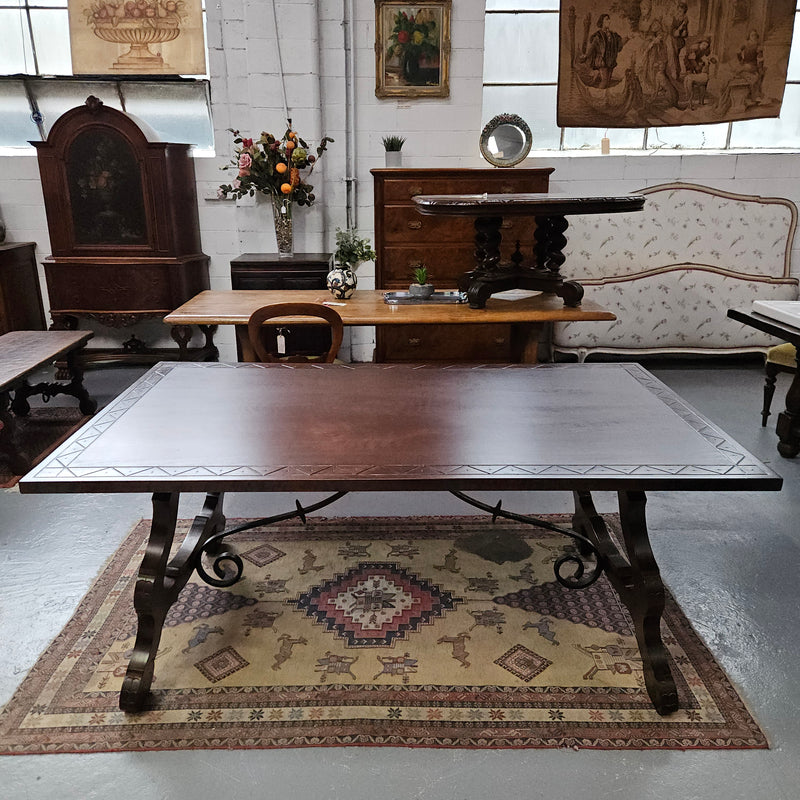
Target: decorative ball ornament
[341, 282]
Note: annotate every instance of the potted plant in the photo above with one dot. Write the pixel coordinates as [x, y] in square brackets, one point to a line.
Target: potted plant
[421, 289]
[351, 250]
[393, 145]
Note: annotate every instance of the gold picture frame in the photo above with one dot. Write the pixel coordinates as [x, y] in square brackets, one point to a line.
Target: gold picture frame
[412, 48]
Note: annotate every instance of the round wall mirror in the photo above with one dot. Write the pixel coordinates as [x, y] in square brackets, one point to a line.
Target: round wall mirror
[506, 140]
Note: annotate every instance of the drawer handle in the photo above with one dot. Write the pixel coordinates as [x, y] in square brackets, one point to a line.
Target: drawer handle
[414, 342]
[414, 264]
[507, 189]
[507, 224]
[415, 225]
[500, 340]
[414, 190]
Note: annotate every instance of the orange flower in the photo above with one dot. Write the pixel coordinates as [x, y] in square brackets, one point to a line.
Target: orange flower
[294, 176]
[290, 145]
[280, 167]
[286, 188]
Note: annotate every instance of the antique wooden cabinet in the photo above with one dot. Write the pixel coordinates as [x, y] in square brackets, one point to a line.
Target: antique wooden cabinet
[123, 222]
[405, 239]
[20, 294]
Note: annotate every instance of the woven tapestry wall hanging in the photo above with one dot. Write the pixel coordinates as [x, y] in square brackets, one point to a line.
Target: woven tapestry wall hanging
[638, 63]
[137, 37]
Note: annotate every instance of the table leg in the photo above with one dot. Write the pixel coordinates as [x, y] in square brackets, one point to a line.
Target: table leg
[525, 342]
[246, 352]
[636, 578]
[9, 445]
[159, 583]
[788, 425]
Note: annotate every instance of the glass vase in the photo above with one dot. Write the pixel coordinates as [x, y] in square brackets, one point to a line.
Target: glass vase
[282, 215]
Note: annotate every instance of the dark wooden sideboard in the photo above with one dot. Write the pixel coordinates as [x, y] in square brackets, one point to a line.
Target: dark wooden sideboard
[405, 239]
[301, 271]
[124, 229]
[20, 294]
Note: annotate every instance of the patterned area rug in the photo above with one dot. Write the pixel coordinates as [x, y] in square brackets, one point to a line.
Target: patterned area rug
[435, 632]
[40, 432]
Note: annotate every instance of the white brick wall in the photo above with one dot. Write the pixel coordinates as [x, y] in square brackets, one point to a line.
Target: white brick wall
[246, 94]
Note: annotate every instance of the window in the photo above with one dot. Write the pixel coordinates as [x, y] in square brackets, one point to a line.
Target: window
[520, 76]
[37, 85]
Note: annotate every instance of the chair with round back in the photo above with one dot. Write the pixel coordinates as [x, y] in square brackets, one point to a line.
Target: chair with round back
[280, 310]
[781, 358]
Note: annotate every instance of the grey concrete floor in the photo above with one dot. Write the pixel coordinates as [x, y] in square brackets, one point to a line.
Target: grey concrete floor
[731, 559]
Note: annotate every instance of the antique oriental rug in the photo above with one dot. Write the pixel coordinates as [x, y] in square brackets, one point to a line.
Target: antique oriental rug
[435, 632]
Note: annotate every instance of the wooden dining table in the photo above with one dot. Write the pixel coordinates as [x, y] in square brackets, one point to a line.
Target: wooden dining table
[216, 427]
[526, 311]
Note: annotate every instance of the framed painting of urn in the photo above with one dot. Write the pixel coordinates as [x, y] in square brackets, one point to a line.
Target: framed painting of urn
[412, 48]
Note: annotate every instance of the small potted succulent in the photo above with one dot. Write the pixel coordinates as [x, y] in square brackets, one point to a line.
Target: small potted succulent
[393, 145]
[421, 289]
[351, 250]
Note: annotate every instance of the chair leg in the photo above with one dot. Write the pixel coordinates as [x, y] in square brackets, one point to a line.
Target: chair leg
[771, 371]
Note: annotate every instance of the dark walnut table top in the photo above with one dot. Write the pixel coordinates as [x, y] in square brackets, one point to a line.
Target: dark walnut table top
[216, 426]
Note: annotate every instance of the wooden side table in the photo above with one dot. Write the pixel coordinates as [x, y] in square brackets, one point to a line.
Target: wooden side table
[788, 425]
[301, 271]
[548, 211]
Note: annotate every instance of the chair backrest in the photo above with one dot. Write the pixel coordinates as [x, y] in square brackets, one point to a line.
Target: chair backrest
[277, 310]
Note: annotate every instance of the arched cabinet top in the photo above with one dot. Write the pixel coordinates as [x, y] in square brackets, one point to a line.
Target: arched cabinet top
[110, 190]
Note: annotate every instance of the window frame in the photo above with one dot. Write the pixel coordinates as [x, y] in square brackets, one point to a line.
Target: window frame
[648, 133]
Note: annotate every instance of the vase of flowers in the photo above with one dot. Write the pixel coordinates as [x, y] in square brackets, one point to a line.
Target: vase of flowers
[277, 169]
[351, 250]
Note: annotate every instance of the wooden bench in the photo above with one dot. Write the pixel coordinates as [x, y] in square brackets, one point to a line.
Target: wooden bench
[23, 353]
[670, 272]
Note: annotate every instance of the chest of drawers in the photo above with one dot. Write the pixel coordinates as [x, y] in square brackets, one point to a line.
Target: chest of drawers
[405, 239]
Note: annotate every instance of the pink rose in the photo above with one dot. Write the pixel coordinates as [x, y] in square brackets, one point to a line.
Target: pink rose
[245, 162]
[236, 183]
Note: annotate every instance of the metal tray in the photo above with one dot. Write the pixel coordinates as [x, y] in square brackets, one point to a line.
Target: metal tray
[404, 298]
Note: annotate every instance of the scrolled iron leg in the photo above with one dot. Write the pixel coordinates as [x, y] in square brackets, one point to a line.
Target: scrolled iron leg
[638, 583]
[158, 585]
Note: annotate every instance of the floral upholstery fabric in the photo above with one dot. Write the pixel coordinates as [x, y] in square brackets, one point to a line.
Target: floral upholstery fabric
[671, 271]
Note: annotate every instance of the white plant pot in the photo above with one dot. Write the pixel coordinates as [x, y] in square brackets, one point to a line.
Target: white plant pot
[394, 158]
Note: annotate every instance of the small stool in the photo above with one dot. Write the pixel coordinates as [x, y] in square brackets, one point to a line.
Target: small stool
[781, 358]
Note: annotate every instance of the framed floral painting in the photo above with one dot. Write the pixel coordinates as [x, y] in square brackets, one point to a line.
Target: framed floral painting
[412, 48]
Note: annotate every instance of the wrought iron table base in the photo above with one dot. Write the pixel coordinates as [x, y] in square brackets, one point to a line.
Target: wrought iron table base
[630, 566]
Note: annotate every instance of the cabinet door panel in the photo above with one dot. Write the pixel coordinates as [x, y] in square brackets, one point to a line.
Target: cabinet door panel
[106, 288]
